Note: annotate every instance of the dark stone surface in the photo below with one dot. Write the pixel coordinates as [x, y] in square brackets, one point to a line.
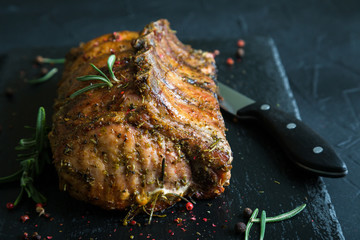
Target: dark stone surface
[318, 41]
[262, 176]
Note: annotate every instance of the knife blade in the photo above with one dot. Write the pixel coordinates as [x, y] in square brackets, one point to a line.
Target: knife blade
[299, 142]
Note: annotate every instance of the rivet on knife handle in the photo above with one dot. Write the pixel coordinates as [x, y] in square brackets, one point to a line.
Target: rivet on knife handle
[302, 145]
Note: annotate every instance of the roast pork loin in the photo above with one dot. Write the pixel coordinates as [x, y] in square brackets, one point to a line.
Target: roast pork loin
[153, 138]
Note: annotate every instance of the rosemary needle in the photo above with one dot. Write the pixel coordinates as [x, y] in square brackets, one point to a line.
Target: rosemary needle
[110, 62]
[85, 89]
[250, 223]
[262, 224]
[12, 177]
[46, 77]
[153, 208]
[41, 59]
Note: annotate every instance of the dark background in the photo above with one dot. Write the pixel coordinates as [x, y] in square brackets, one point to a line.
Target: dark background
[318, 41]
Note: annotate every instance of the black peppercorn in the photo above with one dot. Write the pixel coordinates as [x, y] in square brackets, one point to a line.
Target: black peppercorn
[240, 227]
[247, 212]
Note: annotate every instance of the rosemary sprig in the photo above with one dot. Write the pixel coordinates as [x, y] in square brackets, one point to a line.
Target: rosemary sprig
[263, 220]
[32, 161]
[46, 77]
[283, 216]
[102, 77]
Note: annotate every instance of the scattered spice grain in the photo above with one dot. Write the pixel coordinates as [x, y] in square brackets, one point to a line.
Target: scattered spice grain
[240, 53]
[189, 206]
[24, 218]
[241, 43]
[10, 206]
[230, 61]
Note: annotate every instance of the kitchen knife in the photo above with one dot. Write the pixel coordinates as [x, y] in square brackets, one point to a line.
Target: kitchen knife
[300, 143]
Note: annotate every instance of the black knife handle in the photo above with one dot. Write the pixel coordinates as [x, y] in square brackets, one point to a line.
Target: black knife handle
[301, 144]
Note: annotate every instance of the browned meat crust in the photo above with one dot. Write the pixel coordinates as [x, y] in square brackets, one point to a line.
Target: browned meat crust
[157, 134]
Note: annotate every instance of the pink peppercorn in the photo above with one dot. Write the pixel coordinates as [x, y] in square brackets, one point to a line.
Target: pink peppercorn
[10, 206]
[189, 206]
[24, 218]
[241, 43]
[230, 61]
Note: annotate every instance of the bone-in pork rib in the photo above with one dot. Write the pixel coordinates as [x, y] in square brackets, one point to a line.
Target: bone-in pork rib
[156, 134]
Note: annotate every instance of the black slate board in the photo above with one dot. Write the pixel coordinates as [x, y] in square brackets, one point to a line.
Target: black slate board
[262, 176]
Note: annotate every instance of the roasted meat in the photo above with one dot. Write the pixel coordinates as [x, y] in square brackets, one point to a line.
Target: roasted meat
[155, 137]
